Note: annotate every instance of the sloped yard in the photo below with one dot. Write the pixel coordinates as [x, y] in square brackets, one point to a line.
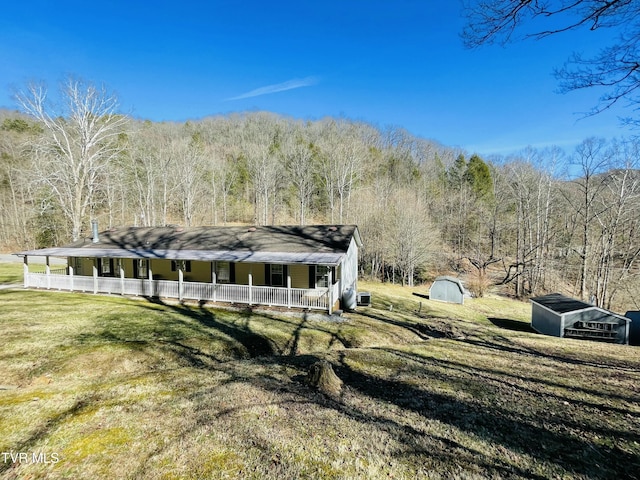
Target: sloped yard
[107, 387]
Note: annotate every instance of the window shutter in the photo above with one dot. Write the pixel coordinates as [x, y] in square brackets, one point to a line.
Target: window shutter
[267, 274]
[312, 276]
[232, 272]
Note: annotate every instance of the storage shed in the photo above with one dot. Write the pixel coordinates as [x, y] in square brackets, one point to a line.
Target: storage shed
[634, 328]
[447, 289]
[561, 316]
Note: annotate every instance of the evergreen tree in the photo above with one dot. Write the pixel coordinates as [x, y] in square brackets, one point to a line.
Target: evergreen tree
[456, 172]
[478, 176]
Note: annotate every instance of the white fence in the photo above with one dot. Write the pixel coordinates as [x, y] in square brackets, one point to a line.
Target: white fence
[313, 298]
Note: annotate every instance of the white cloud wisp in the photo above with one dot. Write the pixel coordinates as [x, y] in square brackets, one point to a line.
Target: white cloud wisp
[278, 87]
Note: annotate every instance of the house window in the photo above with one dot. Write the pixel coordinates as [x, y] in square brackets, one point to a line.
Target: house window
[142, 268]
[223, 272]
[277, 275]
[77, 265]
[321, 276]
[185, 264]
[105, 267]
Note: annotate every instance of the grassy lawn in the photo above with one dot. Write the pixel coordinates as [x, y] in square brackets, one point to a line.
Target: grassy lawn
[11, 273]
[125, 388]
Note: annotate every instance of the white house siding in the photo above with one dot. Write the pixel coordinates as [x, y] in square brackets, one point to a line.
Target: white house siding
[350, 268]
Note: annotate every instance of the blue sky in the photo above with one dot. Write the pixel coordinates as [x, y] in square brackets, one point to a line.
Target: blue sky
[389, 63]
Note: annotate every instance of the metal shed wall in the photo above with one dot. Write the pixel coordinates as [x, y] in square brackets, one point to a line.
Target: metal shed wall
[598, 315]
[446, 290]
[634, 327]
[545, 321]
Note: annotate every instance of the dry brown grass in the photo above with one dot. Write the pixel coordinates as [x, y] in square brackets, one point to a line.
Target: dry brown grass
[121, 388]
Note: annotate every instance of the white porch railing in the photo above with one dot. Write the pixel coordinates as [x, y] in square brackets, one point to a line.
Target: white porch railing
[313, 298]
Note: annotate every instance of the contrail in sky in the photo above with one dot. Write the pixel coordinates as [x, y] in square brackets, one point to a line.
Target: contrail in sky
[278, 87]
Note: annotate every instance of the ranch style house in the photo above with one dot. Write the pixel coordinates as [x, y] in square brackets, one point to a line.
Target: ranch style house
[309, 267]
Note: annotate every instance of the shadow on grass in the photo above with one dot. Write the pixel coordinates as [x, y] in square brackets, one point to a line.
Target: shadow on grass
[254, 344]
[45, 428]
[549, 440]
[422, 331]
[513, 325]
[497, 425]
[250, 341]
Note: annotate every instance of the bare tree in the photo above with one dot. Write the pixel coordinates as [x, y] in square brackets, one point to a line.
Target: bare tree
[411, 235]
[260, 145]
[79, 140]
[223, 175]
[17, 195]
[617, 217]
[343, 155]
[222, 150]
[152, 172]
[188, 164]
[592, 160]
[141, 174]
[298, 152]
[532, 193]
[615, 68]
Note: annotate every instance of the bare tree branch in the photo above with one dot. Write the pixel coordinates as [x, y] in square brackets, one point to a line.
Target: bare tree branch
[615, 68]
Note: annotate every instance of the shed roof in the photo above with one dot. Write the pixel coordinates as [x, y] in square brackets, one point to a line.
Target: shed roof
[561, 303]
[446, 278]
[633, 315]
[313, 244]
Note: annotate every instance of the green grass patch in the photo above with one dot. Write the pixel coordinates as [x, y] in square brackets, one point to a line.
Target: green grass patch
[128, 388]
[11, 273]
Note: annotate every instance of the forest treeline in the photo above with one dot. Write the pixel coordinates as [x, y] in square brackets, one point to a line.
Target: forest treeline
[536, 222]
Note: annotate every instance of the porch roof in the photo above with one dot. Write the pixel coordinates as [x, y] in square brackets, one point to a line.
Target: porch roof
[314, 244]
[206, 256]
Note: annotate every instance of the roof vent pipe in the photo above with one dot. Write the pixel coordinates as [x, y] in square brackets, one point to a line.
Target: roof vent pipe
[94, 228]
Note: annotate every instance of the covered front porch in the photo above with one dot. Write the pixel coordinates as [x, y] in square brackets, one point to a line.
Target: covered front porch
[65, 279]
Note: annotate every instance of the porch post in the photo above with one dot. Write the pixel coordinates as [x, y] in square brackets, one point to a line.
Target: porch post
[180, 279]
[121, 268]
[47, 270]
[25, 270]
[288, 290]
[95, 276]
[250, 283]
[330, 292]
[150, 273]
[214, 280]
[70, 276]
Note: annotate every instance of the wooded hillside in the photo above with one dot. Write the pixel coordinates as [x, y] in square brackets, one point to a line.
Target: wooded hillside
[536, 222]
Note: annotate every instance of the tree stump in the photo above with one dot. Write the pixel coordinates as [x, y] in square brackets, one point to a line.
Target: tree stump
[322, 377]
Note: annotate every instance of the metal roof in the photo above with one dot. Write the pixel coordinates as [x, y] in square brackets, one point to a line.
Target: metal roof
[560, 303]
[315, 244]
[454, 280]
[202, 255]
